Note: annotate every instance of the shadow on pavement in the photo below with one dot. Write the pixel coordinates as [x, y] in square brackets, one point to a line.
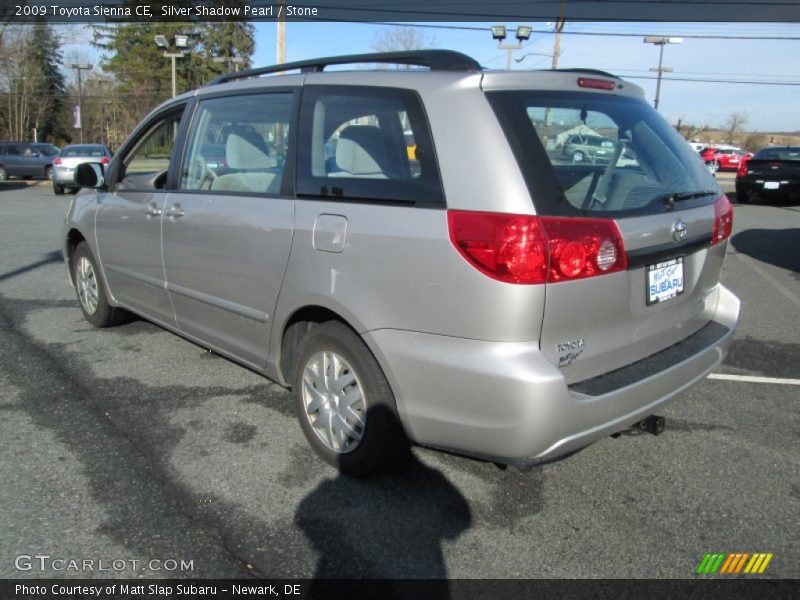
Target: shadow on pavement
[9, 186]
[391, 526]
[51, 257]
[779, 247]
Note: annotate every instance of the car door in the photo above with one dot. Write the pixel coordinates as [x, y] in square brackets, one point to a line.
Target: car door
[14, 162]
[227, 229]
[128, 221]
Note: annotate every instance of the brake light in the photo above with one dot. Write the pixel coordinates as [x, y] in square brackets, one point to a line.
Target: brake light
[742, 169]
[596, 84]
[57, 161]
[105, 160]
[526, 249]
[723, 220]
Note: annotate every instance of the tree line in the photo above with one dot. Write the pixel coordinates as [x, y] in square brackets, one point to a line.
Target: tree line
[39, 90]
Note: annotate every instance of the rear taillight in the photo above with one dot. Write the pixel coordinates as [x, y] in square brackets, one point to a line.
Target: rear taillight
[723, 220]
[742, 170]
[527, 249]
[105, 160]
[57, 161]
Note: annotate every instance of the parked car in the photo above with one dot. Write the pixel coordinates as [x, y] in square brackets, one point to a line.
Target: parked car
[591, 148]
[725, 159]
[25, 159]
[489, 302]
[773, 172]
[69, 158]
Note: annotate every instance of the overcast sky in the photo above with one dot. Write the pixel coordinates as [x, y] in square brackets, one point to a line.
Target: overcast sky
[769, 107]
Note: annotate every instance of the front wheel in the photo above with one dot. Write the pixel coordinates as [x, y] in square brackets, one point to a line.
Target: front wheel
[344, 404]
[577, 156]
[92, 293]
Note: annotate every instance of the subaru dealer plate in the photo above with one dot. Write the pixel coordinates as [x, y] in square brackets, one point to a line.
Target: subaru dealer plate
[664, 280]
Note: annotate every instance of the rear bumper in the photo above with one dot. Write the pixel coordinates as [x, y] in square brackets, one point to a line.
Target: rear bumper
[505, 402]
[789, 188]
[64, 176]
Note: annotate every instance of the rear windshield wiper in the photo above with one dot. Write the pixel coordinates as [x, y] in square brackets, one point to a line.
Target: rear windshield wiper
[673, 197]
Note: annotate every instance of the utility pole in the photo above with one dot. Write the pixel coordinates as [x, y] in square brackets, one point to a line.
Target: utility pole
[80, 67]
[102, 111]
[557, 42]
[661, 42]
[280, 50]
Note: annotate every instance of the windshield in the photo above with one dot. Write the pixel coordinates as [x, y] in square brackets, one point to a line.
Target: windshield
[586, 153]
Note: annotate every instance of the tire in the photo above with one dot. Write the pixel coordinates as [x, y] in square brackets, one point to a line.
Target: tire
[3, 174]
[334, 360]
[578, 156]
[48, 172]
[92, 291]
[58, 189]
[742, 197]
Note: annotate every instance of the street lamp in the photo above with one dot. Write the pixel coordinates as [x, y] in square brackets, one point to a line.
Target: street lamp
[523, 34]
[80, 67]
[661, 42]
[235, 60]
[179, 41]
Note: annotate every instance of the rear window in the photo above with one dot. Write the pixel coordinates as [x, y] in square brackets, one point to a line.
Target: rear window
[790, 153]
[634, 162]
[47, 149]
[94, 151]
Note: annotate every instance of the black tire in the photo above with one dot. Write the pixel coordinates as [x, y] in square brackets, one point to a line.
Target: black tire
[578, 156]
[104, 314]
[383, 443]
[742, 197]
[3, 174]
[58, 189]
[48, 172]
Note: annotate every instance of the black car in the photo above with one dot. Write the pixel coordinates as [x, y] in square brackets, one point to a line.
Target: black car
[26, 159]
[773, 172]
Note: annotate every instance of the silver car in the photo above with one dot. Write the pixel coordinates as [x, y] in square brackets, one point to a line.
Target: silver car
[473, 296]
[69, 158]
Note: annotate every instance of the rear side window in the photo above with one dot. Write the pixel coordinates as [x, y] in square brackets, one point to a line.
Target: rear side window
[631, 160]
[367, 144]
[238, 144]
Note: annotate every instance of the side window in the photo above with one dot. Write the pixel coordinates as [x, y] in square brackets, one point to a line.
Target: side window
[14, 150]
[238, 144]
[366, 143]
[146, 165]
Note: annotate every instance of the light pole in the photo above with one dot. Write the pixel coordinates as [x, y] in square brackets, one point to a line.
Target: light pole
[80, 67]
[180, 41]
[661, 42]
[236, 60]
[499, 33]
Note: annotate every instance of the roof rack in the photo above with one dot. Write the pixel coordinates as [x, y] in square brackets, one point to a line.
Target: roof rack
[436, 60]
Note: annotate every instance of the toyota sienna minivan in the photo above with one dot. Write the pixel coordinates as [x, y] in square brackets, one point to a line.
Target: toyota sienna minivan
[484, 295]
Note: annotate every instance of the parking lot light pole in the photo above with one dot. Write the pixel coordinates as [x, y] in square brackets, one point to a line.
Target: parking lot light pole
[661, 42]
[180, 41]
[80, 67]
[523, 34]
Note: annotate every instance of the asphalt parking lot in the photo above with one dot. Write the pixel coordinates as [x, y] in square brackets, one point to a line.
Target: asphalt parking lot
[132, 444]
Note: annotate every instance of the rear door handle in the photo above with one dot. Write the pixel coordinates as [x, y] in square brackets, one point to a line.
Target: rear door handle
[152, 210]
[175, 212]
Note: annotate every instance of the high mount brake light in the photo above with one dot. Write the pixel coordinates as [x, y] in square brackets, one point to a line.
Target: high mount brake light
[527, 249]
[596, 84]
[723, 220]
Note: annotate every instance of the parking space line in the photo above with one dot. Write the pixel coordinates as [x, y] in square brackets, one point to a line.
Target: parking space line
[754, 379]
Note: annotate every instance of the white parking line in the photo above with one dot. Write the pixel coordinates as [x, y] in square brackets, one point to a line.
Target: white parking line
[753, 379]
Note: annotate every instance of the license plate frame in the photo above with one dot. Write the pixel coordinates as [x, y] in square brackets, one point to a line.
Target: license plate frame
[772, 185]
[664, 271]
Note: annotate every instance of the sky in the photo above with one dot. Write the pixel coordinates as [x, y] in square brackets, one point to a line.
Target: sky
[769, 107]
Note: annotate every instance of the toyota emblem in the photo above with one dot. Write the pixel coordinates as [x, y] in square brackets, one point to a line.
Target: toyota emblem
[679, 230]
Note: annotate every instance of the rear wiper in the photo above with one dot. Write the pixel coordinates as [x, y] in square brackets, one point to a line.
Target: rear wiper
[673, 197]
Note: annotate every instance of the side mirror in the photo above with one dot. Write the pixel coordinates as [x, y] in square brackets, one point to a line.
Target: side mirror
[90, 175]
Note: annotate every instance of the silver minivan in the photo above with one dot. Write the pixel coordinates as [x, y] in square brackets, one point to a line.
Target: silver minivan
[480, 293]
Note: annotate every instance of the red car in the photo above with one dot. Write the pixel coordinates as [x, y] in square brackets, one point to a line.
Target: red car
[725, 158]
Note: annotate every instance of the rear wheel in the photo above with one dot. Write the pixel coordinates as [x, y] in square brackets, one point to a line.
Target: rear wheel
[742, 197]
[92, 293]
[3, 174]
[58, 189]
[344, 404]
[48, 172]
[577, 156]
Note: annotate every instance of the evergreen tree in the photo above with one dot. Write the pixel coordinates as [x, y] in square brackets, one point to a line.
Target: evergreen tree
[43, 52]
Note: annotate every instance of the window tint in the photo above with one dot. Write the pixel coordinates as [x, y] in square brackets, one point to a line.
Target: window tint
[14, 149]
[366, 144]
[782, 153]
[640, 159]
[238, 144]
[151, 154]
[94, 151]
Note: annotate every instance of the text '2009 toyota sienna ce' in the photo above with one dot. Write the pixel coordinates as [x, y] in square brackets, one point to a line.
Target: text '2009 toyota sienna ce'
[411, 251]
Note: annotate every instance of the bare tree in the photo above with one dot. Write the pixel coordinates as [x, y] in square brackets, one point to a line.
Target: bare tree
[734, 124]
[401, 38]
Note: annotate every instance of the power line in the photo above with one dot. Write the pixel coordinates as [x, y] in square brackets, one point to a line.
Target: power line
[734, 81]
